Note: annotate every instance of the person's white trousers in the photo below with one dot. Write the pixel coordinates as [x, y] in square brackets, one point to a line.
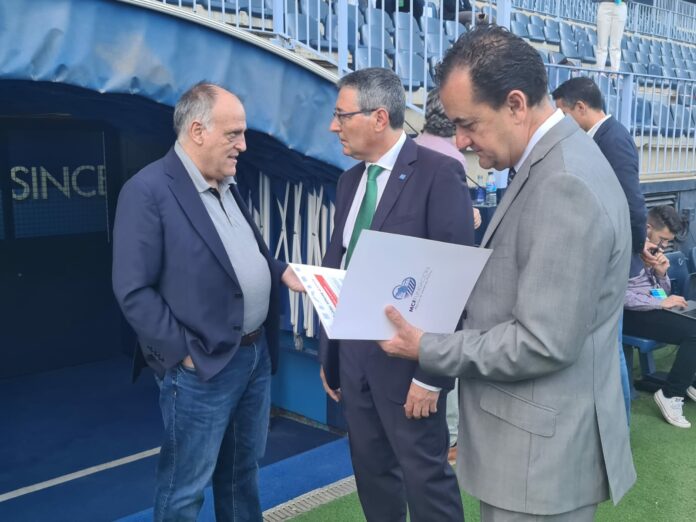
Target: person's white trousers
[611, 20]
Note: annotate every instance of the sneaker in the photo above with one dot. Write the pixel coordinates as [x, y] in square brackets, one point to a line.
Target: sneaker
[691, 392]
[672, 409]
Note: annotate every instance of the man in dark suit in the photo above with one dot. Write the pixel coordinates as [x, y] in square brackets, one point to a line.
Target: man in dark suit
[196, 282]
[581, 98]
[395, 411]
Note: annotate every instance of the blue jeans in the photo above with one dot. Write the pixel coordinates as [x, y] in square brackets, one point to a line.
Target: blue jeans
[214, 430]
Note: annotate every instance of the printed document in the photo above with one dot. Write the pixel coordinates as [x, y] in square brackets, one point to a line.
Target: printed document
[429, 282]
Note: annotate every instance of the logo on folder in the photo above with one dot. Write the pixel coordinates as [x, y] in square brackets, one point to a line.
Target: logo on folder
[405, 288]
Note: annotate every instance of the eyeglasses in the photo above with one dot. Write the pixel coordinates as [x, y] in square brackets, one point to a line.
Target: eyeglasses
[343, 116]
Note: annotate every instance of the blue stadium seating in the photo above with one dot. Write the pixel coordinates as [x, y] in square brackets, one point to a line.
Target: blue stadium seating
[454, 29]
[377, 17]
[430, 25]
[374, 36]
[370, 57]
[404, 63]
[519, 29]
[317, 9]
[408, 41]
[537, 20]
[551, 32]
[536, 33]
[305, 29]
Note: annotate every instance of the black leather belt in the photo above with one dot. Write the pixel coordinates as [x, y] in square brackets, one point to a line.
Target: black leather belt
[250, 338]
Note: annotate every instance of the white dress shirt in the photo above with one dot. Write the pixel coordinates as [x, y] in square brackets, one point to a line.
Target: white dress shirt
[545, 127]
[597, 125]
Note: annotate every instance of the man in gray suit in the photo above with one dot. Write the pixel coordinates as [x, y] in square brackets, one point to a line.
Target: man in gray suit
[543, 433]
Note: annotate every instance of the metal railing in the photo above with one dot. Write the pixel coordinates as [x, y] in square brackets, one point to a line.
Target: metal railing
[673, 19]
[660, 113]
[346, 38]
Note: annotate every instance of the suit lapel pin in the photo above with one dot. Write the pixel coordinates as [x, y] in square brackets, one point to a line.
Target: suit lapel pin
[402, 177]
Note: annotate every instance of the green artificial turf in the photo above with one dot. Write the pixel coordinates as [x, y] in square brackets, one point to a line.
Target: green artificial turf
[664, 456]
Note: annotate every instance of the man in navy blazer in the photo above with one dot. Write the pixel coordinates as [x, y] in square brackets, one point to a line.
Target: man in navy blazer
[581, 98]
[394, 410]
[198, 285]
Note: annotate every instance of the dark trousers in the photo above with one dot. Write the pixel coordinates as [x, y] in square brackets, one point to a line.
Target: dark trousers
[667, 327]
[397, 461]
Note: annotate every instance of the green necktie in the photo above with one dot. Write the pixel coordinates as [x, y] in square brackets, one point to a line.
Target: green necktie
[367, 208]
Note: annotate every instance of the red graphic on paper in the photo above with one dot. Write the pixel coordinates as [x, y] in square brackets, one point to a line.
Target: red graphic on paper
[329, 292]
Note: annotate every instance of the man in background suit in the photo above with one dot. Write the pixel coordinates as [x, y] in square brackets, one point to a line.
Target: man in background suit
[543, 433]
[394, 410]
[196, 282]
[581, 98]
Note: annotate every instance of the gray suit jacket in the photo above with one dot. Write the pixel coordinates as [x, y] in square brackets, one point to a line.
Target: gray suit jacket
[543, 427]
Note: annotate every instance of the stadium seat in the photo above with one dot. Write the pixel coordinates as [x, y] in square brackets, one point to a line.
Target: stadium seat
[405, 40]
[570, 49]
[454, 29]
[404, 63]
[430, 25]
[650, 380]
[536, 33]
[520, 18]
[519, 29]
[628, 56]
[306, 29]
[654, 69]
[430, 10]
[537, 20]
[317, 9]
[586, 52]
[378, 18]
[642, 118]
[683, 118]
[370, 57]
[639, 68]
[374, 36]
[436, 44]
[664, 119]
[544, 55]
[405, 22]
[566, 31]
[557, 58]
[679, 63]
[558, 75]
[592, 35]
[678, 273]
[353, 34]
[692, 260]
[551, 32]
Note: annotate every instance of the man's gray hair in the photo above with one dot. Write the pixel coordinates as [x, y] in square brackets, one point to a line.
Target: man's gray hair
[378, 88]
[436, 121]
[196, 104]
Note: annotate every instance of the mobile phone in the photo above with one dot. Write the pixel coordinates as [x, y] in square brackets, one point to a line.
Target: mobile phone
[654, 251]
